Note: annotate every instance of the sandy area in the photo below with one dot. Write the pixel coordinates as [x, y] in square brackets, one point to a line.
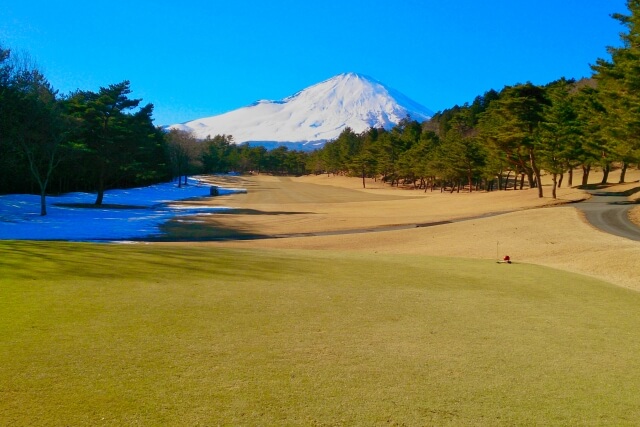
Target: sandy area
[529, 229]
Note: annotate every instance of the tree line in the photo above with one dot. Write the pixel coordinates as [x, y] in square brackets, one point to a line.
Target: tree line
[509, 138]
[220, 154]
[502, 140]
[93, 141]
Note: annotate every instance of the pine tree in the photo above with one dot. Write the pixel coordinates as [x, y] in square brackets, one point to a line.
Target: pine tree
[559, 131]
[510, 124]
[112, 139]
[619, 89]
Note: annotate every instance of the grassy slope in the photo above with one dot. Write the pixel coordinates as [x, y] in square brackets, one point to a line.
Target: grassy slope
[115, 335]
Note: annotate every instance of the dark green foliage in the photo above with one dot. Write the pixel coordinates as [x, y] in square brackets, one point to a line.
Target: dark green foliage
[619, 94]
[13, 165]
[33, 124]
[523, 131]
[117, 144]
[86, 141]
[510, 125]
[95, 141]
[221, 155]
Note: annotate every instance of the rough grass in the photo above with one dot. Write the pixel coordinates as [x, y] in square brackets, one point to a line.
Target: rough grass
[150, 335]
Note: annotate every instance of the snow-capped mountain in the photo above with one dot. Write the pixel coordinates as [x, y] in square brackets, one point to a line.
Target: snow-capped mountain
[314, 115]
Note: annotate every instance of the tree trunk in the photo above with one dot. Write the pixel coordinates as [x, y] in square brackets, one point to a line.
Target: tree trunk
[605, 174]
[531, 178]
[522, 182]
[585, 174]
[100, 190]
[43, 203]
[364, 185]
[42, 185]
[623, 172]
[570, 183]
[100, 197]
[536, 171]
[554, 178]
[560, 180]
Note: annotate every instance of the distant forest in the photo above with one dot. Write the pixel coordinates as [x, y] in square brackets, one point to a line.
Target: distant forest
[94, 141]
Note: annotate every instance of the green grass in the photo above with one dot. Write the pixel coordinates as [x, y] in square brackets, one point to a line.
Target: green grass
[149, 335]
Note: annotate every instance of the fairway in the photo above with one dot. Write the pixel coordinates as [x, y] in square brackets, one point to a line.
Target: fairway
[164, 335]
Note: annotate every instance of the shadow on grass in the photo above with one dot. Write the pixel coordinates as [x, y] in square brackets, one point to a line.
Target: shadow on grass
[33, 263]
[594, 187]
[258, 212]
[192, 229]
[103, 206]
[180, 231]
[628, 202]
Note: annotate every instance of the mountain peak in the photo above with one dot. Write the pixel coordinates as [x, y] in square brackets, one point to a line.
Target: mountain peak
[314, 115]
[353, 75]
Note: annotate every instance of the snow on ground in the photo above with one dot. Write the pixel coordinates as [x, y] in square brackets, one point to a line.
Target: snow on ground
[138, 214]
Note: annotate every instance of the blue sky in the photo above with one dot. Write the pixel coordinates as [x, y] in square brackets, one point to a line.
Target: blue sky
[193, 59]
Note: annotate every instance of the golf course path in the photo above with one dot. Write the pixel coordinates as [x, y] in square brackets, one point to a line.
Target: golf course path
[609, 212]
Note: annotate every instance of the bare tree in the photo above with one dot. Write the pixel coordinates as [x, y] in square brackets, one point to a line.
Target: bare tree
[36, 123]
[184, 153]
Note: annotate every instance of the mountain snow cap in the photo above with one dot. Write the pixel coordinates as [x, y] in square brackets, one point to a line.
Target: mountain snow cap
[314, 115]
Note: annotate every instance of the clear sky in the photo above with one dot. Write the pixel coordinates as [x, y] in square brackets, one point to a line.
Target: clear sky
[194, 59]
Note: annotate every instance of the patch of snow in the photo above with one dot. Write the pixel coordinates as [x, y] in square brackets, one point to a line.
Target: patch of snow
[129, 214]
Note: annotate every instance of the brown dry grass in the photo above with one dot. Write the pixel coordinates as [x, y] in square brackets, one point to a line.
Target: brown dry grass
[634, 215]
[552, 236]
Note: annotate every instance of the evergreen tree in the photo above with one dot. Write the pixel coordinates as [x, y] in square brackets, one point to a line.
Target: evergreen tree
[619, 89]
[462, 157]
[9, 173]
[110, 136]
[365, 163]
[216, 154]
[559, 132]
[510, 124]
[590, 112]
